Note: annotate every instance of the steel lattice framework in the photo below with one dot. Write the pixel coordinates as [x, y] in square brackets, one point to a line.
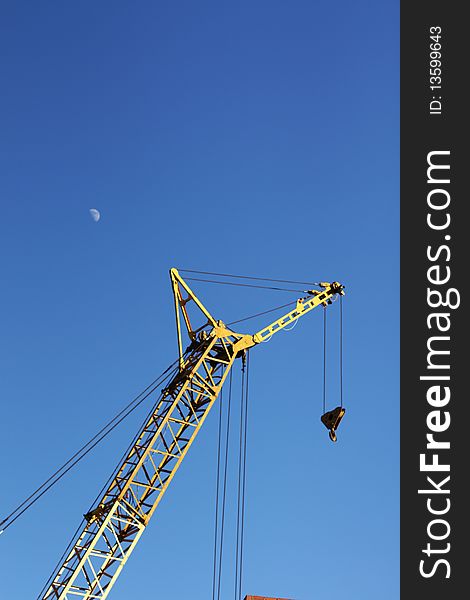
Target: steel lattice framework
[113, 528]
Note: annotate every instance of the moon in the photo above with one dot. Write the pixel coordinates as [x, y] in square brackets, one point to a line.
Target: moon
[95, 214]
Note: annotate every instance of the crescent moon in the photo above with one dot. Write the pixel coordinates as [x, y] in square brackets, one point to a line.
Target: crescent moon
[95, 214]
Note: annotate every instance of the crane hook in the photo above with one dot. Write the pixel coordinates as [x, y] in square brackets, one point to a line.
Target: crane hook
[331, 421]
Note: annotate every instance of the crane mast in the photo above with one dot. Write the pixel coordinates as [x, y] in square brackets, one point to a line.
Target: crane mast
[112, 529]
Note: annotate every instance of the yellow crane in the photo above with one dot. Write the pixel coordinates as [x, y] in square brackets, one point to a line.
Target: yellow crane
[112, 529]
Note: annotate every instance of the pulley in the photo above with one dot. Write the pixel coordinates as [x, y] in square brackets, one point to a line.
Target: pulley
[332, 419]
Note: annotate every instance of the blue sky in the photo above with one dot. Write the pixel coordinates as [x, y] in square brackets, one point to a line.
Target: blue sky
[258, 138]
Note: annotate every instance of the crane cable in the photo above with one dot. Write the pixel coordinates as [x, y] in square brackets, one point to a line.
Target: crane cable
[220, 502]
[340, 354]
[250, 285]
[264, 312]
[324, 359]
[216, 524]
[240, 454]
[85, 449]
[248, 277]
[341, 349]
[111, 477]
[242, 479]
[219, 544]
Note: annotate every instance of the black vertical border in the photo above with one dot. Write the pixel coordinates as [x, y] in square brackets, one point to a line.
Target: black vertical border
[421, 133]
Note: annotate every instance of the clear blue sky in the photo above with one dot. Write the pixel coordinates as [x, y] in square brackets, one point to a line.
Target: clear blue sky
[249, 137]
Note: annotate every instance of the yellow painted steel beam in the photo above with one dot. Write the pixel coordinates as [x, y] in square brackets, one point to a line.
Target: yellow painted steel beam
[304, 306]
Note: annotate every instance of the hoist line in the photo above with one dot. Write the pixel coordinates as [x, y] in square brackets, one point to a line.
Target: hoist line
[219, 437]
[265, 312]
[341, 349]
[324, 359]
[224, 492]
[242, 532]
[248, 277]
[240, 453]
[84, 450]
[250, 285]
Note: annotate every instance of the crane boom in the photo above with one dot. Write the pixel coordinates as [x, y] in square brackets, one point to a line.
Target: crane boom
[112, 529]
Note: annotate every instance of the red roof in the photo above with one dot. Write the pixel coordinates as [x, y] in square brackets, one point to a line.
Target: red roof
[264, 598]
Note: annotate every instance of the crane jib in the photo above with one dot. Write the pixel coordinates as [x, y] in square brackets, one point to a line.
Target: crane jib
[112, 529]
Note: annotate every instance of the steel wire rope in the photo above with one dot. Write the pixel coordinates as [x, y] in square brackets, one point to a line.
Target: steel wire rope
[157, 382]
[264, 312]
[242, 534]
[341, 349]
[324, 359]
[152, 410]
[227, 437]
[75, 535]
[240, 453]
[249, 277]
[219, 438]
[250, 285]
[82, 452]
